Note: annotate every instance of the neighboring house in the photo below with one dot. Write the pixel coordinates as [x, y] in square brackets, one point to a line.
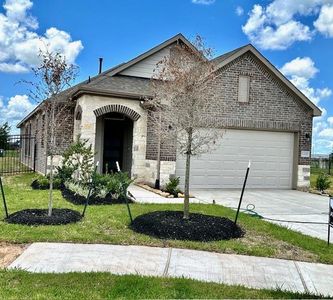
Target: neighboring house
[267, 119]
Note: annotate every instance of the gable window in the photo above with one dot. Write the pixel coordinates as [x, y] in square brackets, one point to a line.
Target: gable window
[243, 88]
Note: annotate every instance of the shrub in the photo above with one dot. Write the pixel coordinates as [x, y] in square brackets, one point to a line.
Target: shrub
[172, 186]
[323, 182]
[78, 163]
[43, 183]
[114, 185]
[77, 188]
[64, 173]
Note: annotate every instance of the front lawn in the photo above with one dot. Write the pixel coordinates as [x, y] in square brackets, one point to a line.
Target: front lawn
[23, 285]
[109, 224]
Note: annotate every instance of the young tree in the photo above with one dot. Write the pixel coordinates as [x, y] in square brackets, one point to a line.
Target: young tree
[4, 133]
[180, 108]
[53, 75]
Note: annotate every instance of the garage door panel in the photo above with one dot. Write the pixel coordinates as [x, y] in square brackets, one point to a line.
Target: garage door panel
[271, 154]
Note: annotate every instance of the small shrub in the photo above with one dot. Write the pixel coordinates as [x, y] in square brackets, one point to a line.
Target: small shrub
[116, 184]
[64, 173]
[43, 183]
[77, 188]
[172, 186]
[78, 162]
[112, 185]
[323, 182]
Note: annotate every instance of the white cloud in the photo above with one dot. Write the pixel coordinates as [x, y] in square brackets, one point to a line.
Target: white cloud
[300, 71]
[204, 2]
[20, 44]
[15, 109]
[13, 68]
[330, 121]
[302, 67]
[327, 132]
[239, 11]
[324, 23]
[278, 25]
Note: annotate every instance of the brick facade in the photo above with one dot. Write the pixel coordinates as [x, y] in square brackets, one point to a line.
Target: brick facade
[40, 128]
[271, 106]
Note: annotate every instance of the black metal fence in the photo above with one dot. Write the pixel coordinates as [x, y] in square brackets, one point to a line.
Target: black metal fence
[17, 154]
[322, 164]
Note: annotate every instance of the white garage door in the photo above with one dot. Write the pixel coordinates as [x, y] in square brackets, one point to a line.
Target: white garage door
[271, 154]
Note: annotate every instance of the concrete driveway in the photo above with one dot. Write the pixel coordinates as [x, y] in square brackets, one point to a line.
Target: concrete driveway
[277, 204]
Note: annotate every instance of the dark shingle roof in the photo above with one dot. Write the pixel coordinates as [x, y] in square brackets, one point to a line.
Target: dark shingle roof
[224, 56]
[122, 84]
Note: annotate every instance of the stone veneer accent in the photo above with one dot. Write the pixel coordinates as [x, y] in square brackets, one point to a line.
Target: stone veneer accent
[303, 177]
[91, 105]
[119, 109]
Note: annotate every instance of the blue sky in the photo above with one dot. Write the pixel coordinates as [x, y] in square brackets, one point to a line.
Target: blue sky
[296, 36]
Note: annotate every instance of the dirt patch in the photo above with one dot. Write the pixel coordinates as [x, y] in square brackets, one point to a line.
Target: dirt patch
[278, 248]
[60, 216]
[9, 252]
[171, 225]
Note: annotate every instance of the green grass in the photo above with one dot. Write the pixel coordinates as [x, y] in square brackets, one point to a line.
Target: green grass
[23, 285]
[109, 224]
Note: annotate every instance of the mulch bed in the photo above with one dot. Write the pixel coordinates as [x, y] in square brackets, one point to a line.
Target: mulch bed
[171, 225]
[81, 200]
[60, 216]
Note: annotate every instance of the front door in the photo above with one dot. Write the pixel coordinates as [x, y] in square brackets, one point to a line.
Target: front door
[117, 143]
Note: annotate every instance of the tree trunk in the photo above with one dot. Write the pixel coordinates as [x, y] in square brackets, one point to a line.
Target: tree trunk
[51, 187]
[158, 160]
[52, 143]
[187, 176]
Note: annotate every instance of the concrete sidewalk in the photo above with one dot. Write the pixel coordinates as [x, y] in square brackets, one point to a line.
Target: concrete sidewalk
[144, 196]
[250, 271]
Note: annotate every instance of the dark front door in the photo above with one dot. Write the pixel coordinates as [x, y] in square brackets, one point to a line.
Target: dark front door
[117, 128]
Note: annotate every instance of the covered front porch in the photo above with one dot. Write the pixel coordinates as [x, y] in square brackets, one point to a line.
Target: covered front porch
[117, 130]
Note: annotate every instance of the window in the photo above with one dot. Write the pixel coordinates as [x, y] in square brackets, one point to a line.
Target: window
[243, 88]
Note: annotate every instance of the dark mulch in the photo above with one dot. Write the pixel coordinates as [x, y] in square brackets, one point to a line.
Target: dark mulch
[60, 216]
[171, 225]
[81, 200]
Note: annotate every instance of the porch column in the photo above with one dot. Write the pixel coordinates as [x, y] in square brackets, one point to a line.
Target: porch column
[88, 121]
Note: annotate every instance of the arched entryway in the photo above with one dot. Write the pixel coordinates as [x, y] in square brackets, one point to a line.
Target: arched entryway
[114, 137]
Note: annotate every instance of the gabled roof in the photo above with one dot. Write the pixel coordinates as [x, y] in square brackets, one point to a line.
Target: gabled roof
[232, 55]
[134, 88]
[111, 83]
[169, 42]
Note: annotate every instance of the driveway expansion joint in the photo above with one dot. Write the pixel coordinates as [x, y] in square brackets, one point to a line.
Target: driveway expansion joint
[301, 277]
[167, 265]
